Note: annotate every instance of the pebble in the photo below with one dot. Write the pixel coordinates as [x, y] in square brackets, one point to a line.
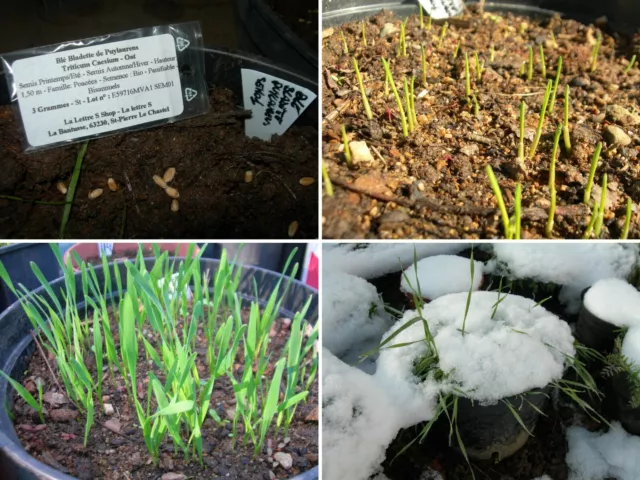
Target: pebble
[283, 459]
[580, 82]
[360, 152]
[173, 476]
[113, 425]
[54, 399]
[108, 409]
[63, 415]
[616, 136]
[389, 29]
[622, 116]
[393, 219]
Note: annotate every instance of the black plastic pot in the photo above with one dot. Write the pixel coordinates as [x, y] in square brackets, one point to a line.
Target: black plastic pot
[594, 332]
[629, 417]
[16, 258]
[223, 69]
[492, 431]
[260, 30]
[16, 347]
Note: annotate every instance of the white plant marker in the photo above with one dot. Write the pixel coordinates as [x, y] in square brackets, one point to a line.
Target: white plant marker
[438, 9]
[274, 102]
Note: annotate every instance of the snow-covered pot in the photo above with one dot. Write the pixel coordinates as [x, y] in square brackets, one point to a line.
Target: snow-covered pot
[628, 416]
[607, 306]
[16, 348]
[492, 431]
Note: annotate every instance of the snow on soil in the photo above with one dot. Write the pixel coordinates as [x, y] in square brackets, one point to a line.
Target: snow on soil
[576, 266]
[353, 316]
[440, 275]
[615, 301]
[359, 421]
[377, 259]
[520, 349]
[631, 348]
[594, 455]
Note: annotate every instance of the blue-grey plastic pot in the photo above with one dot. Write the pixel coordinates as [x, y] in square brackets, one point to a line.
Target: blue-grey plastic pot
[16, 347]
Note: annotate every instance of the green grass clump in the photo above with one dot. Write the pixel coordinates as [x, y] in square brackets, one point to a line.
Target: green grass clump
[592, 173]
[345, 142]
[552, 182]
[594, 53]
[554, 90]
[565, 125]
[119, 326]
[403, 118]
[506, 223]
[536, 139]
[630, 66]
[365, 100]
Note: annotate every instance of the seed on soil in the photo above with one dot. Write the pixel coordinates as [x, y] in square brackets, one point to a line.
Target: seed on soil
[160, 181]
[108, 409]
[293, 228]
[306, 181]
[172, 192]
[93, 194]
[113, 186]
[175, 205]
[62, 188]
[248, 176]
[169, 174]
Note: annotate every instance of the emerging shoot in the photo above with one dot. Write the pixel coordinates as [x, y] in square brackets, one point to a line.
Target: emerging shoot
[424, 67]
[530, 66]
[476, 106]
[413, 101]
[543, 66]
[523, 106]
[552, 101]
[364, 35]
[594, 53]
[536, 139]
[443, 32]
[553, 40]
[479, 66]
[592, 173]
[565, 126]
[345, 47]
[403, 118]
[552, 182]
[407, 102]
[630, 66]
[603, 201]
[503, 209]
[456, 50]
[328, 186]
[492, 53]
[627, 221]
[421, 16]
[345, 141]
[467, 78]
[365, 100]
[518, 211]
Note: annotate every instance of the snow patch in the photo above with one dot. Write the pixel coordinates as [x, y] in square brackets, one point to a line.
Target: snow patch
[359, 421]
[631, 347]
[376, 259]
[576, 266]
[441, 275]
[353, 315]
[496, 358]
[594, 455]
[615, 301]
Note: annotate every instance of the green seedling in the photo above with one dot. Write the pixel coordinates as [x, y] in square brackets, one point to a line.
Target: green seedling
[492, 53]
[71, 191]
[456, 50]
[603, 201]
[552, 182]
[538, 134]
[530, 65]
[554, 91]
[364, 35]
[345, 142]
[466, 308]
[543, 66]
[365, 100]
[594, 53]
[522, 69]
[345, 47]
[630, 66]
[592, 173]
[328, 186]
[553, 40]
[403, 118]
[26, 396]
[479, 67]
[413, 101]
[421, 16]
[523, 107]
[429, 21]
[476, 105]
[424, 67]
[518, 211]
[565, 124]
[467, 76]
[443, 32]
[407, 102]
[627, 221]
[403, 39]
[503, 209]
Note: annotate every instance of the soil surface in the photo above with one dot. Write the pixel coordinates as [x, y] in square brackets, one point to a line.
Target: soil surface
[543, 453]
[433, 183]
[210, 154]
[116, 448]
[301, 16]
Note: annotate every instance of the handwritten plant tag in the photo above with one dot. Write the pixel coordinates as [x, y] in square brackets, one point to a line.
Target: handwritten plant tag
[275, 103]
[92, 87]
[442, 8]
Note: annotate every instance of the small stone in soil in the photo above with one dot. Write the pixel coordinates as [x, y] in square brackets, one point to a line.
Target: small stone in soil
[108, 409]
[622, 116]
[113, 425]
[388, 29]
[313, 416]
[616, 136]
[173, 476]
[63, 415]
[54, 399]
[166, 462]
[360, 152]
[136, 459]
[283, 459]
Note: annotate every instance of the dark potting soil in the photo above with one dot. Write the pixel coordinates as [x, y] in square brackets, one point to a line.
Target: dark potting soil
[301, 16]
[210, 154]
[433, 184]
[123, 455]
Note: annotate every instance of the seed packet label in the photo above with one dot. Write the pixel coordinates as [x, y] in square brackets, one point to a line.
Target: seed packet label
[92, 90]
[275, 103]
[442, 8]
